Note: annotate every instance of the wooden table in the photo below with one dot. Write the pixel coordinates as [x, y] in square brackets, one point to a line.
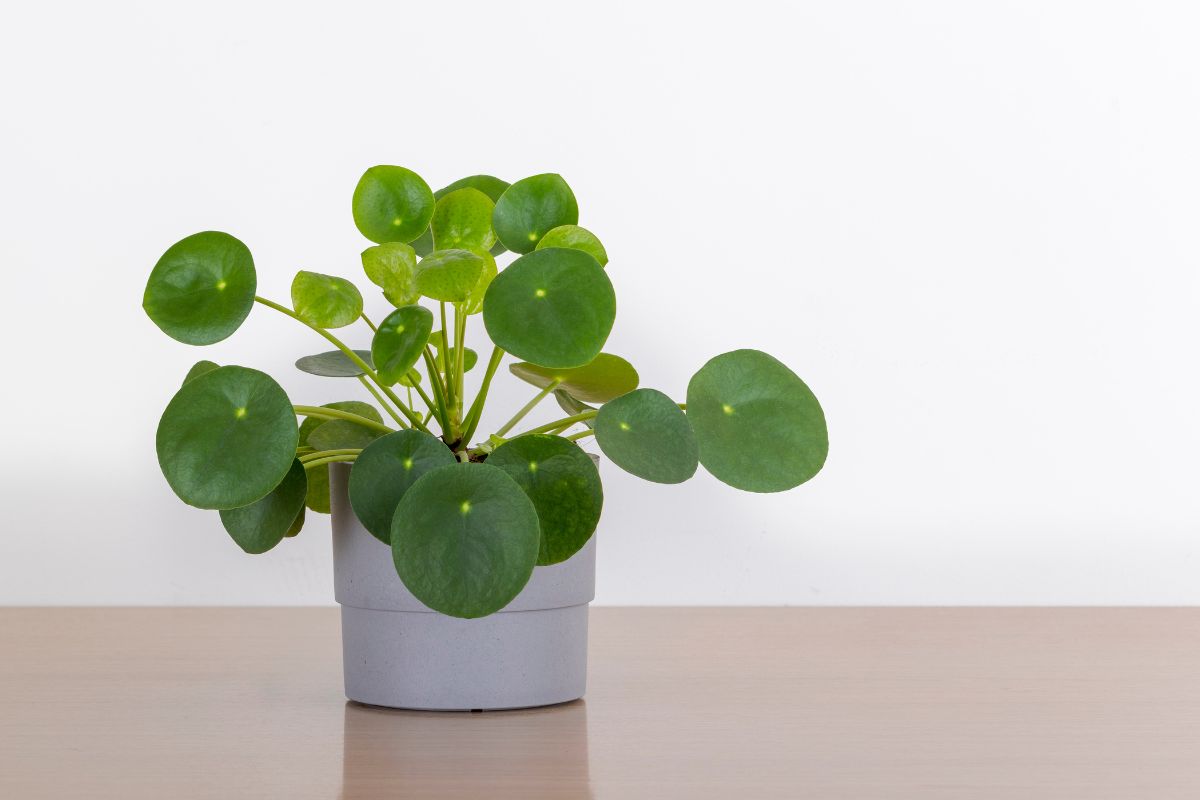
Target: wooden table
[682, 703]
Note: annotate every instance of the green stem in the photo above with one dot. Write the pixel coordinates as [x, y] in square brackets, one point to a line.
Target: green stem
[476, 410]
[439, 389]
[549, 426]
[370, 324]
[353, 356]
[347, 451]
[430, 404]
[525, 409]
[333, 413]
[575, 437]
[446, 359]
[317, 462]
[460, 335]
[383, 402]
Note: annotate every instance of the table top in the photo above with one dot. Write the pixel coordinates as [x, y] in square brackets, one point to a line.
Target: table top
[682, 702]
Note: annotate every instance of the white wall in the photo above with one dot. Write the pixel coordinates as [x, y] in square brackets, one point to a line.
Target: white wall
[972, 228]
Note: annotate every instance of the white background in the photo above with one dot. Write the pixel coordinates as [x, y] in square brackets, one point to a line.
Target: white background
[971, 228]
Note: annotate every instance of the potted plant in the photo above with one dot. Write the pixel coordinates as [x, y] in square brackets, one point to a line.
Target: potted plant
[464, 562]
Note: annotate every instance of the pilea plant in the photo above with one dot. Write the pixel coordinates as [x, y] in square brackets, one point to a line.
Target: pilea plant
[467, 516]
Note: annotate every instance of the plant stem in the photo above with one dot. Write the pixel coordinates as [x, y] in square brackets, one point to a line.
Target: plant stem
[558, 423]
[439, 389]
[575, 437]
[446, 359]
[370, 324]
[476, 410]
[383, 402]
[349, 451]
[460, 335]
[317, 462]
[333, 413]
[430, 404]
[525, 409]
[353, 356]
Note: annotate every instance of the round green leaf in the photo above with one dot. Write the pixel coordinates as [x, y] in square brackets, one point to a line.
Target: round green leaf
[325, 300]
[298, 523]
[227, 438]
[449, 275]
[491, 186]
[399, 342]
[202, 288]
[530, 208]
[465, 539]
[564, 485]
[317, 498]
[605, 377]
[758, 426]
[392, 204]
[553, 307]
[645, 433]
[463, 220]
[410, 378]
[311, 424]
[385, 470]
[261, 525]
[334, 364]
[201, 367]
[340, 434]
[576, 238]
[470, 357]
[393, 268]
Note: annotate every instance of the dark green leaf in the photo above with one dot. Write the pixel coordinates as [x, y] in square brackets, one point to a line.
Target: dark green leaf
[200, 368]
[324, 300]
[463, 220]
[553, 307]
[202, 288]
[600, 380]
[393, 268]
[261, 525]
[334, 364]
[340, 434]
[645, 433]
[465, 539]
[530, 208]
[392, 204]
[399, 342]
[385, 470]
[298, 523]
[317, 498]
[758, 426]
[564, 485]
[358, 407]
[227, 438]
[449, 275]
[576, 238]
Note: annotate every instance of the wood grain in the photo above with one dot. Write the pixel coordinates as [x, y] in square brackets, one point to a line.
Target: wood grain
[687, 703]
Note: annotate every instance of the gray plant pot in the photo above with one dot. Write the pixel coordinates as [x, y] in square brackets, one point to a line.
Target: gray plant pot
[397, 652]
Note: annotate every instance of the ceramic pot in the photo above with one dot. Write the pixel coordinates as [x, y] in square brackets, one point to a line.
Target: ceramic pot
[397, 652]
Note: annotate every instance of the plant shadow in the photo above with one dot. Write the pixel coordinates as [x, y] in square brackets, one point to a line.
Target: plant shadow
[528, 753]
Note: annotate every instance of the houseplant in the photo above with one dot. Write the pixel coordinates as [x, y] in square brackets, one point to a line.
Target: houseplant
[475, 523]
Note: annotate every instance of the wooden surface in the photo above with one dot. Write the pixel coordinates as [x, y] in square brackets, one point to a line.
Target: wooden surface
[687, 703]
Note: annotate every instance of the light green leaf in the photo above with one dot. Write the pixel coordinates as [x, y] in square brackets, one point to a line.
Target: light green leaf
[392, 204]
[201, 367]
[462, 220]
[202, 288]
[530, 208]
[399, 342]
[317, 498]
[261, 525]
[553, 307]
[334, 364]
[340, 434]
[470, 357]
[474, 303]
[465, 539]
[603, 378]
[572, 406]
[576, 238]
[645, 433]
[564, 485]
[491, 186]
[758, 425]
[385, 470]
[226, 438]
[393, 268]
[449, 275]
[325, 300]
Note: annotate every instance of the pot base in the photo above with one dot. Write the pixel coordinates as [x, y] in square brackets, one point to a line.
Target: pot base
[421, 660]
